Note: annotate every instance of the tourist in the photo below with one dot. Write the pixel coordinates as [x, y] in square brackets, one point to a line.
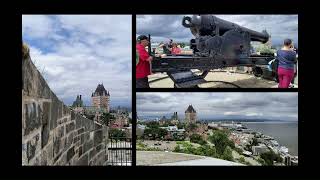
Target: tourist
[166, 47]
[143, 67]
[286, 58]
[175, 49]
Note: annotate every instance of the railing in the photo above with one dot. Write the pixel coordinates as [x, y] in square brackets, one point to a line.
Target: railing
[119, 151]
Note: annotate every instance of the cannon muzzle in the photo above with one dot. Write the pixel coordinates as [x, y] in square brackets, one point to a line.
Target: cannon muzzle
[202, 25]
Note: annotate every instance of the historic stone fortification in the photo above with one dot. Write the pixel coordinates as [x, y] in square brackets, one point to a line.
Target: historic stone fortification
[52, 134]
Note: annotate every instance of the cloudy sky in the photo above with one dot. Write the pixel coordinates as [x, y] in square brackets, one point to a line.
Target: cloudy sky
[77, 52]
[272, 105]
[162, 27]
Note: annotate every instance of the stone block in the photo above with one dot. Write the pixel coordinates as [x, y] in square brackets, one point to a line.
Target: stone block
[97, 126]
[56, 146]
[87, 146]
[92, 153]
[69, 140]
[49, 153]
[98, 136]
[43, 159]
[33, 146]
[76, 139]
[73, 115]
[83, 161]
[70, 153]
[99, 147]
[45, 124]
[80, 151]
[43, 90]
[82, 138]
[60, 131]
[81, 130]
[54, 113]
[86, 136]
[32, 118]
[70, 127]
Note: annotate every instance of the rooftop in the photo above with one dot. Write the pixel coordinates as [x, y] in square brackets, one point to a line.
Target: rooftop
[100, 90]
[190, 109]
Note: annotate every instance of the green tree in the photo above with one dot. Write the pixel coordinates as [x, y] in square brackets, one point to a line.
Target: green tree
[261, 161]
[265, 49]
[242, 160]
[155, 132]
[180, 126]
[191, 127]
[117, 134]
[227, 154]
[177, 149]
[240, 151]
[269, 157]
[220, 140]
[107, 118]
[196, 138]
[254, 142]
[207, 150]
[153, 124]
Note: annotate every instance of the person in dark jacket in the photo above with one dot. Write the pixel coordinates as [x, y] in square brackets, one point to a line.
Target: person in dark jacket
[286, 60]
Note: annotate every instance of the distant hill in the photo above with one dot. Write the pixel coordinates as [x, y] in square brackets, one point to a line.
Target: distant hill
[243, 120]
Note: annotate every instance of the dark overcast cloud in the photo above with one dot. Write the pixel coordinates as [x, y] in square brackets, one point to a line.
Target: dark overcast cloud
[162, 27]
[278, 106]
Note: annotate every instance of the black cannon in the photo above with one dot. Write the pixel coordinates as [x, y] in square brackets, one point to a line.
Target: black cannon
[218, 43]
[215, 37]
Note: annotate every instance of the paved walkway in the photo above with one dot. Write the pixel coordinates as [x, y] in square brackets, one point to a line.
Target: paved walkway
[160, 158]
[241, 79]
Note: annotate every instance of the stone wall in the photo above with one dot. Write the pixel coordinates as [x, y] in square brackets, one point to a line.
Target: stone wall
[52, 134]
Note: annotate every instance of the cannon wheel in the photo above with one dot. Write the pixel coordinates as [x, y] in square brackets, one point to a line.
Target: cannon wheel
[257, 71]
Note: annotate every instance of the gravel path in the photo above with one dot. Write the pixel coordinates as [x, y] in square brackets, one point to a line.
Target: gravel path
[160, 157]
[145, 158]
[242, 80]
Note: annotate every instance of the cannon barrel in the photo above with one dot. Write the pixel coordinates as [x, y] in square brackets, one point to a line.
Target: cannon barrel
[201, 25]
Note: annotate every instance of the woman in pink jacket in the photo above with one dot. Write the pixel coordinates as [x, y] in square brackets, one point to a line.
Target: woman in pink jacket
[175, 49]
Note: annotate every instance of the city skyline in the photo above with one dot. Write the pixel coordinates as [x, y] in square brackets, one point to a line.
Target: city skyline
[163, 27]
[75, 53]
[266, 105]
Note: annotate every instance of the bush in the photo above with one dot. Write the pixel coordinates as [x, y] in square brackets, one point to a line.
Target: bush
[227, 154]
[269, 157]
[117, 134]
[242, 160]
[240, 151]
[153, 124]
[261, 161]
[177, 149]
[220, 141]
[155, 132]
[196, 138]
[207, 150]
[107, 118]
[191, 127]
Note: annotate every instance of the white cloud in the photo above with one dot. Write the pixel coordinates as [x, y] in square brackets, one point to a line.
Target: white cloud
[163, 26]
[254, 114]
[269, 105]
[37, 26]
[229, 113]
[85, 51]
